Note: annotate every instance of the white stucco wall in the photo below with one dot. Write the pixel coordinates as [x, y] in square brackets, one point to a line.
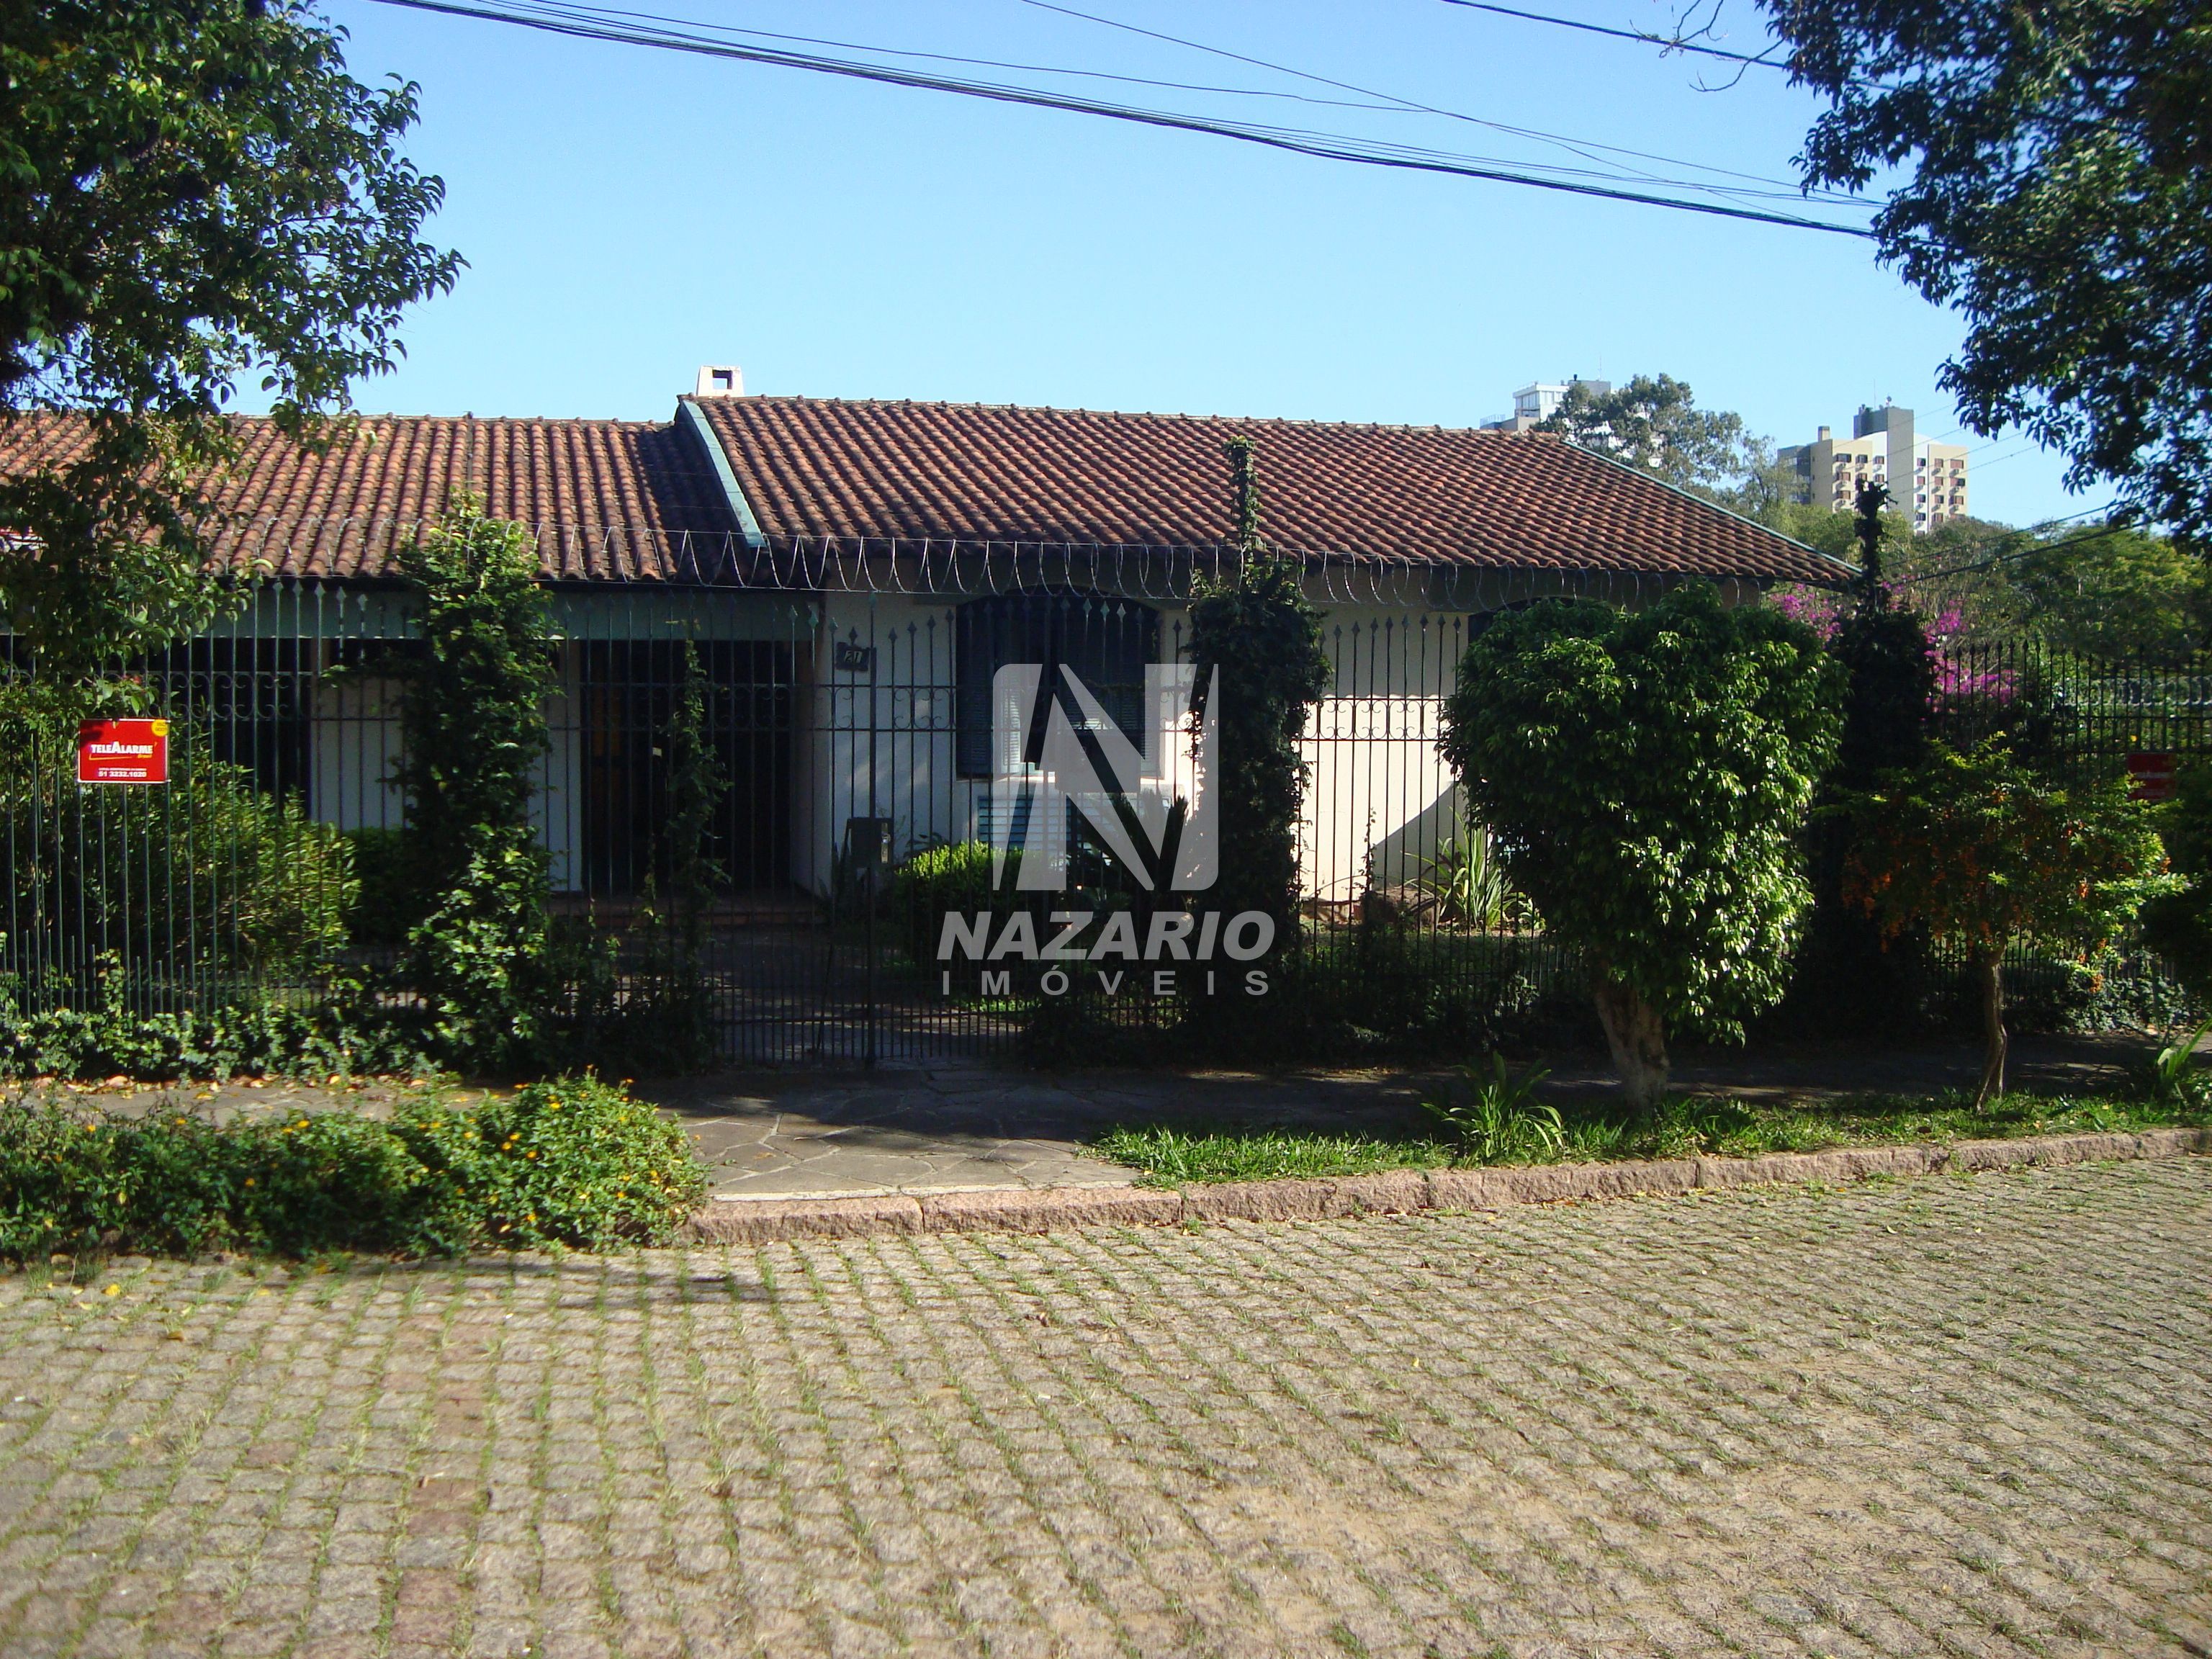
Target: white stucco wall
[878, 739]
[1377, 781]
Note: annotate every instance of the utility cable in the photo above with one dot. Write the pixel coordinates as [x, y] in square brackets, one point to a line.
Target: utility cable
[1610, 172]
[577, 23]
[1996, 559]
[1779, 190]
[1579, 146]
[1637, 35]
[1393, 107]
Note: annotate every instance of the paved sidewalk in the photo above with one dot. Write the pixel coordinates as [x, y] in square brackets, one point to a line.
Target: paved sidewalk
[1958, 1416]
[958, 1129]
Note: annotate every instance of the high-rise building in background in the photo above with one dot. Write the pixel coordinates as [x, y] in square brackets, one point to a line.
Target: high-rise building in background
[1539, 402]
[1831, 471]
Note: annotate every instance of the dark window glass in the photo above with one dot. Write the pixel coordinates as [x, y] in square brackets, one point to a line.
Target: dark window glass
[625, 694]
[1107, 641]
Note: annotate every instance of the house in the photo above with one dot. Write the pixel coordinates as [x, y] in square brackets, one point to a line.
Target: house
[850, 574]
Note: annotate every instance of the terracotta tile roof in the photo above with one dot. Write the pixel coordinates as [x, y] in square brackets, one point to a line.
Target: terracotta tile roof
[813, 467]
[608, 500]
[627, 500]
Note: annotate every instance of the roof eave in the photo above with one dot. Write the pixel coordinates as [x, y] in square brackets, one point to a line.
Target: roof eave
[1843, 572]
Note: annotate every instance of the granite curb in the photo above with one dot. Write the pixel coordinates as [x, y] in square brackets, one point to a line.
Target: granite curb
[1398, 1192]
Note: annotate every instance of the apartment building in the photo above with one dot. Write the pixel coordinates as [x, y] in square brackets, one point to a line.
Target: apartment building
[1540, 401]
[1831, 471]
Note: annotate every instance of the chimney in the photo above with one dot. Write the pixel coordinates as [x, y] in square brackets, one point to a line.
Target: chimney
[1824, 435]
[720, 380]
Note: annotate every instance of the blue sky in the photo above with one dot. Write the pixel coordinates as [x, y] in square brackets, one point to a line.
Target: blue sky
[629, 215]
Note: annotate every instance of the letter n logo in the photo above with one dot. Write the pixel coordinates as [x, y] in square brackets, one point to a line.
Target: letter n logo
[1054, 749]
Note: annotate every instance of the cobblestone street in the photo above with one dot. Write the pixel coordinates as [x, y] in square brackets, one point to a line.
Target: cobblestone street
[1953, 1415]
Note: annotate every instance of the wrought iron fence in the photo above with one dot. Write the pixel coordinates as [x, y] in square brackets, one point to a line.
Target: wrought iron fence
[2077, 706]
[854, 729]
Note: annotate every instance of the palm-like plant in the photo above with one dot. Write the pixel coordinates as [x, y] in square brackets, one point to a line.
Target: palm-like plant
[1467, 880]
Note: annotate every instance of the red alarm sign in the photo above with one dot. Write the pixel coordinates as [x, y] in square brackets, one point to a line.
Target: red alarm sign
[2151, 775]
[123, 751]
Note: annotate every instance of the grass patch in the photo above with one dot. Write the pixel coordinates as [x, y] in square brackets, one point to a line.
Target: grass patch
[1171, 1157]
[1680, 1127]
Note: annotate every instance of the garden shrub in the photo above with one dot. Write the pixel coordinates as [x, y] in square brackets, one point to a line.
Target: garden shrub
[571, 1161]
[1387, 984]
[575, 1161]
[177, 1184]
[208, 869]
[2179, 925]
[473, 709]
[1986, 852]
[384, 900]
[1647, 775]
[1849, 979]
[951, 876]
[340, 1029]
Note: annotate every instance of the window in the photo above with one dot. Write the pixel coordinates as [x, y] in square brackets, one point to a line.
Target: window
[1107, 641]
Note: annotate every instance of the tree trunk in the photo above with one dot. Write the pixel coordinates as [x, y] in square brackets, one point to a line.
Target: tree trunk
[1638, 1041]
[1989, 968]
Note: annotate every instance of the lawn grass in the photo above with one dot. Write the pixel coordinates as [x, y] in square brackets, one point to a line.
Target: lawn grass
[1681, 1126]
[1171, 1157]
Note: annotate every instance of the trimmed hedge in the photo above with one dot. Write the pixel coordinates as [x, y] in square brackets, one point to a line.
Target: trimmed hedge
[264, 1037]
[572, 1162]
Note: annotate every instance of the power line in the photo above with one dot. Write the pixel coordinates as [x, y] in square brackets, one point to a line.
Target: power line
[1579, 146]
[582, 23]
[1994, 560]
[1641, 38]
[568, 11]
[1393, 106]
[2010, 455]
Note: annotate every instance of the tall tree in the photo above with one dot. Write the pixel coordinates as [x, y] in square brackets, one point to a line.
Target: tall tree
[1653, 422]
[2056, 162]
[193, 194]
